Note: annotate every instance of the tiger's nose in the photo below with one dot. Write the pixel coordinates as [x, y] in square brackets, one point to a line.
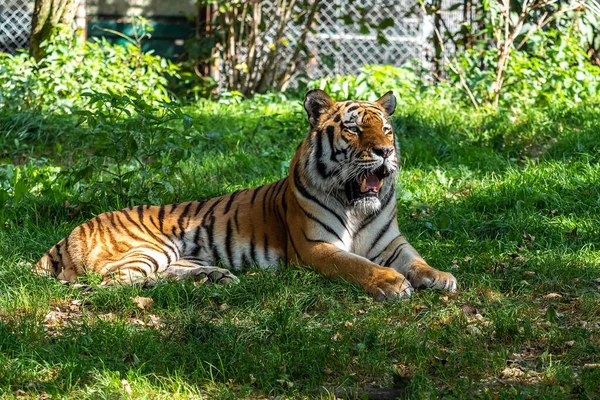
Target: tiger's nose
[384, 152]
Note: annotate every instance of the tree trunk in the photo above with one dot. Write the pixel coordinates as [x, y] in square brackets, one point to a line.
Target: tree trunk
[46, 15]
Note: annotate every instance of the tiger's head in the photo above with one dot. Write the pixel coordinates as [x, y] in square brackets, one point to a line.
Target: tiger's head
[352, 152]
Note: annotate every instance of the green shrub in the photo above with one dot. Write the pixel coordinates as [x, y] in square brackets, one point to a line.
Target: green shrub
[375, 80]
[555, 68]
[58, 81]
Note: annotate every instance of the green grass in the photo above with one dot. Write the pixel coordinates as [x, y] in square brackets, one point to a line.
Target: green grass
[508, 203]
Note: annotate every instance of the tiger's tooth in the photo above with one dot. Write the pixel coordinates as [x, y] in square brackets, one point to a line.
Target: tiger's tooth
[380, 184]
[363, 185]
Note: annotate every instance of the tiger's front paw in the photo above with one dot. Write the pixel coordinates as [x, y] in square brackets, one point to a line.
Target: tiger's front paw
[388, 284]
[422, 275]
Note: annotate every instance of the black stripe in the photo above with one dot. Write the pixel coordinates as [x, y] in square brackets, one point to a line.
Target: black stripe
[155, 237]
[210, 210]
[264, 205]
[136, 237]
[210, 228]
[326, 227]
[185, 212]
[173, 207]
[161, 217]
[312, 240]
[256, 193]
[111, 217]
[381, 233]
[321, 167]
[216, 256]
[196, 239]
[60, 257]
[395, 254]
[294, 246]
[283, 202]
[90, 225]
[199, 207]
[245, 261]
[352, 108]
[235, 219]
[279, 185]
[337, 118]
[67, 249]
[231, 199]
[152, 260]
[330, 135]
[304, 192]
[266, 247]
[253, 248]
[228, 235]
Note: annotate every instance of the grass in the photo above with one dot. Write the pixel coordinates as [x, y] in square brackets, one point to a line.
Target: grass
[507, 202]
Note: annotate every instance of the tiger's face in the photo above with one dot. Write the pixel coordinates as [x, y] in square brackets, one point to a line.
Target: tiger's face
[353, 152]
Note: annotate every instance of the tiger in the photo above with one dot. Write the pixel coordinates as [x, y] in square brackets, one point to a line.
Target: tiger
[335, 212]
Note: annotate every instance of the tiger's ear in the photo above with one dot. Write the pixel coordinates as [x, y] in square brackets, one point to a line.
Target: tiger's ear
[316, 102]
[388, 102]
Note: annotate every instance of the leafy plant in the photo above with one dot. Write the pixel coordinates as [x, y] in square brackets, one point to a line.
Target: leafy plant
[69, 69]
[408, 83]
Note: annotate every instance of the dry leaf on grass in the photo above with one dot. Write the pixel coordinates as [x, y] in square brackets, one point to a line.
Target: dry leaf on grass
[511, 373]
[125, 386]
[143, 303]
[553, 296]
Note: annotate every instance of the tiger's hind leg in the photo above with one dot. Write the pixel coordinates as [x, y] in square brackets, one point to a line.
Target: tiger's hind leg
[139, 266]
[190, 269]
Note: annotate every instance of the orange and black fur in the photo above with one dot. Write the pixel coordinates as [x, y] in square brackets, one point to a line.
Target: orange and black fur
[335, 212]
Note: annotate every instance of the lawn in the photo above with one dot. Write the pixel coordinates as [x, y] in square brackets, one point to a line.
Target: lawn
[506, 201]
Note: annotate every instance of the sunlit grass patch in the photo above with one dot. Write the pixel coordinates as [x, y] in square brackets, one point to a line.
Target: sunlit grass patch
[507, 203]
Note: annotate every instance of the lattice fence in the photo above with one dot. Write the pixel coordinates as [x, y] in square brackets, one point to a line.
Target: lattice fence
[338, 48]
[341, 48]
[15, 24]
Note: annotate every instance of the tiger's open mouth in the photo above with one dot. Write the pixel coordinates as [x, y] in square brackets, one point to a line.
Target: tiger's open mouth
[366, 185]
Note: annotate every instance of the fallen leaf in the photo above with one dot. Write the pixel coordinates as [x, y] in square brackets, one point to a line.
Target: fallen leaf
[469, 310]
[125, 386]
[327, 371]
[473, 330]
[143, 303]
[591, 366]
[570, 343]
[404, 371]
[553, 296]
[508, 373]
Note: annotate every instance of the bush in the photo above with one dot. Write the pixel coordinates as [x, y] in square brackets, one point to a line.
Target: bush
[58, 81]
[555, 68]
[375, 80]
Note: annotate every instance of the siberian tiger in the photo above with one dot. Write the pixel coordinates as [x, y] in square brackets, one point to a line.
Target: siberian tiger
[335, 212]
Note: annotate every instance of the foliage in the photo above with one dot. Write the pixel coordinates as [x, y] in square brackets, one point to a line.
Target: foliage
[58, 80]
[554, 69]
[497, 33]
[375, 80]
[505, 200]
